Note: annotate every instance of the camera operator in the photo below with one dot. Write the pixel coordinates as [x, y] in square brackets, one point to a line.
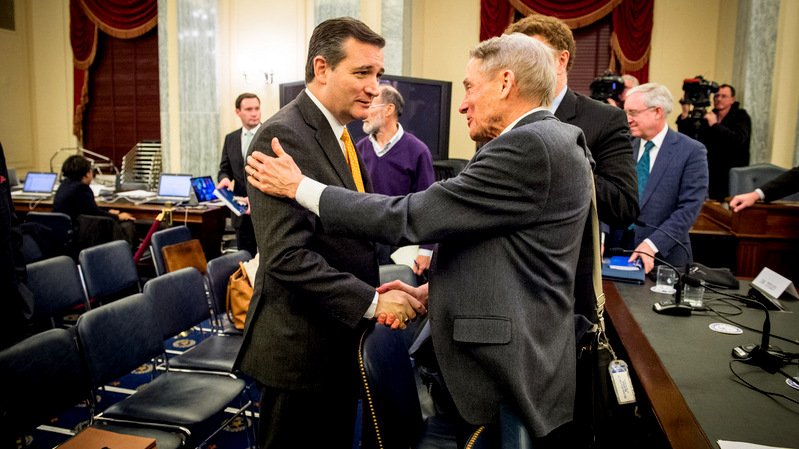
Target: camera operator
[608, 88]
[725, 130]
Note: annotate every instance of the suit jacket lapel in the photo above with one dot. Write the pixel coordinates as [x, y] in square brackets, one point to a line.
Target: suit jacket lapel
[327, 141]
[665, 156]
[236, 159]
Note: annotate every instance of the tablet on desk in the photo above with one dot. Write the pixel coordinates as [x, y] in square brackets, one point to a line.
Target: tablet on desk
[203, 188]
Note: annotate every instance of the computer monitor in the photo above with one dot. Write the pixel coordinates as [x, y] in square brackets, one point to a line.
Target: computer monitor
[203, 188]
[426, 116]
[172, 184]
[39, 182]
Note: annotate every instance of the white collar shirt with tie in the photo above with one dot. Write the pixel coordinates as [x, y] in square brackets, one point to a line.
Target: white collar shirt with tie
[653, 153]
[246, 138]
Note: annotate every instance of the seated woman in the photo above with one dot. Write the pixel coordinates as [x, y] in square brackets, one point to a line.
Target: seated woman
[74, 197]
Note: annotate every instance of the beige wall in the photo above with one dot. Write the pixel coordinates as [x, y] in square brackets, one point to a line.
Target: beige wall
[36, 77]
[689, 38]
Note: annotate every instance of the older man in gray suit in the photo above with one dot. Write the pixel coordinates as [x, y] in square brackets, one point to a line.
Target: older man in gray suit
[508, 227]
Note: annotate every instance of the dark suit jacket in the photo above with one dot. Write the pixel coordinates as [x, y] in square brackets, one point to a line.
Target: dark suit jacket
[674, 194]
[312, 288]
[608, 138]
[232, 167]
[782, 186]
[500, 304]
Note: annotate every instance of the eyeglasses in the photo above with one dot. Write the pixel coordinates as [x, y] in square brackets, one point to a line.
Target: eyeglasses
[634, 114]
[378, 105]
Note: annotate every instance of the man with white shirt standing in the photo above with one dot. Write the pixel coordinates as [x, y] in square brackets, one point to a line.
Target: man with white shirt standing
[314, 290]
[397, 161]
[231, 170]
[672, 179]
[501, 281]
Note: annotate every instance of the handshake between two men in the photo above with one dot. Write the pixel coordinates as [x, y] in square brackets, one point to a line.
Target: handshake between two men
[398, 303]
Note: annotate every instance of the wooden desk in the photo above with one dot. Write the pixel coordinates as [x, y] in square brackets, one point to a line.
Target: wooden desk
[764, 235]
[206, 224]
[683, 367]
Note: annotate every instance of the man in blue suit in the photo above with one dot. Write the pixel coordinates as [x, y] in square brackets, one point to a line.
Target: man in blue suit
[672, 179]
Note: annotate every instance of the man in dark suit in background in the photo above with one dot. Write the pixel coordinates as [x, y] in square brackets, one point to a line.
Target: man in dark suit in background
[501, 281]
[672, 179]
[231, 169]
[314, 290]
[608, 138]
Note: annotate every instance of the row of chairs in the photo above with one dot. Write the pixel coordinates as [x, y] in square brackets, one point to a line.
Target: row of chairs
[52, 371]
[107, 271]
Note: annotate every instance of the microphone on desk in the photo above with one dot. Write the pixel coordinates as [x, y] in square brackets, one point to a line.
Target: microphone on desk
[676, 307]
[767, 357]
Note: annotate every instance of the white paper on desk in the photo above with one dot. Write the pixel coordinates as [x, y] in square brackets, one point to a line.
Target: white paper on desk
[773, 284]
[740, 445]
[405, 255]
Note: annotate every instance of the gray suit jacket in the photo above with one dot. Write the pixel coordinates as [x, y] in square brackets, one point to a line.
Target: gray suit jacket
[500, 304]
[312, 288]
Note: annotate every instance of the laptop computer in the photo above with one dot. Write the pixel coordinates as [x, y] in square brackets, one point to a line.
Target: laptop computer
[37, 185]
[203, 188]
[174, 188]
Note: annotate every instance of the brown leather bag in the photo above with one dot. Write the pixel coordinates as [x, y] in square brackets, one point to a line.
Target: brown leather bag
[239, 293]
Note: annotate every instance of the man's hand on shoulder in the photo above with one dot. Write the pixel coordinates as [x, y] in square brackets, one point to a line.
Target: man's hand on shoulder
[276, 176]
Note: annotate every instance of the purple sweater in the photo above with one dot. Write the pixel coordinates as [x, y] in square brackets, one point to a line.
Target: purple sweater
[406, 168]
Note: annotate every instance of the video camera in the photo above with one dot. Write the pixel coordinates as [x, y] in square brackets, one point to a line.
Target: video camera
[698, 91]
[607, 85]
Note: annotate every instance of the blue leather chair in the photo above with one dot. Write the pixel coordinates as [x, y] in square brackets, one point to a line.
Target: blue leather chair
[59, 223]
[747, 179]
[166, 237]
[118, 338]
[109, 270]
[218, 274]
[56, 287]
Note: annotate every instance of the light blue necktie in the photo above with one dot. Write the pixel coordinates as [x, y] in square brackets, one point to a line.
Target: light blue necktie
[643, 172]
[247, 139]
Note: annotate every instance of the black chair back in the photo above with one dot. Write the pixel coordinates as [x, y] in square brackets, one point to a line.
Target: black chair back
[392, 412]
[59, 223]
[108, 268]
[218, 273]
[56, 286]
[179, 301]
[118, 338]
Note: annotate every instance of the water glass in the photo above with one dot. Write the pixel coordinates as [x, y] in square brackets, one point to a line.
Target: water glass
[666, 280]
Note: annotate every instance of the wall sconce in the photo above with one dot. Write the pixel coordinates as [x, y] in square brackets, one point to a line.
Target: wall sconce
[269, 77]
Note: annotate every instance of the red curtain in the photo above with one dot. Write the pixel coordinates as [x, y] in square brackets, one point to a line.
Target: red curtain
[632, 24]
[122, 19]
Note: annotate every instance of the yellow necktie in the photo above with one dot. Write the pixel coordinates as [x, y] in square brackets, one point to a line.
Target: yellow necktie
[352, 160]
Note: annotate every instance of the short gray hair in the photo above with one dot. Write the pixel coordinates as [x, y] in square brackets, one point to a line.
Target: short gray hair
[629, 77]
[392, 96]
[655, 95]
[532, 63]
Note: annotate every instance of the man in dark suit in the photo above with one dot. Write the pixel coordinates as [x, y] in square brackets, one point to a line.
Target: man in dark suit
[672, 179]
[231, 169]
[608, 138]
[501, 306]
[779, 187]
[314, 290]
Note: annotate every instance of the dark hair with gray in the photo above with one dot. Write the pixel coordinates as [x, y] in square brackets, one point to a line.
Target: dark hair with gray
[553, 30]
[243, 96]
[732, 89]
[392, 96]
[76, 167]
[328, 40]
[655, 95]
[532, 63]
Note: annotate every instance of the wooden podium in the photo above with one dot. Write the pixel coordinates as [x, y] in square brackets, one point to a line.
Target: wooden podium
[764, 235]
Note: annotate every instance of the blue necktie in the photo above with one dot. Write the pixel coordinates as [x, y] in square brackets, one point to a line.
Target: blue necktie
[643, 172]
[643, 168]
